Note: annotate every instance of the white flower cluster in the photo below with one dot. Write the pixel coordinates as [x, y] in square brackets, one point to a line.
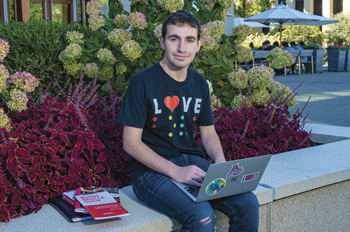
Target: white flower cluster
[119, 36]
[280, 58]
[209, 4]
[94, 10]
[131, 50]
[211, 34]
[259, 83]
[106, 56]
[170, 5]
[243, 54]
[75, 37]
[5, 121]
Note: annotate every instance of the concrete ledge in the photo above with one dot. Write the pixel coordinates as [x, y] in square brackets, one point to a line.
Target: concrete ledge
[302, 170]
[327, 134]
[290, 177]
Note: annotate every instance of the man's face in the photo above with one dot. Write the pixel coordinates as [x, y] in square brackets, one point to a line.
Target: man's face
[180, 45]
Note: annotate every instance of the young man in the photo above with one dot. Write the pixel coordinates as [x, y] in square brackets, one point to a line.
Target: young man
[290, 48]
[159, 112]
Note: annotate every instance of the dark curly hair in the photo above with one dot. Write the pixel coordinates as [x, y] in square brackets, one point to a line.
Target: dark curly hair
[181, 17]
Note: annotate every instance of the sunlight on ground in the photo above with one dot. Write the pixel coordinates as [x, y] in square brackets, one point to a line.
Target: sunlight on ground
[322, 96]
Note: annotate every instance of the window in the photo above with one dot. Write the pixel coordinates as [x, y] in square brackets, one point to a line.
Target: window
[284, 2]
[4, 10]
[36, 9]
[318, 7]
[53, 10]
[299, 5]
[337, 6]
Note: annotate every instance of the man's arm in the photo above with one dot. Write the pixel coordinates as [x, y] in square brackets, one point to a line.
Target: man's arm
[211, 143]
[134, 146]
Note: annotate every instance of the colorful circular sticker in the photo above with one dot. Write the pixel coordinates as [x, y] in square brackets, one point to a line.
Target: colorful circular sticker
[215, 186]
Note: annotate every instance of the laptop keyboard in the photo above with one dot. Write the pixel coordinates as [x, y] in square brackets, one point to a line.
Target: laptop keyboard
[194, 190]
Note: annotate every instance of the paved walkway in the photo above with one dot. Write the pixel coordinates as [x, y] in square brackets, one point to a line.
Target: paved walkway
[330, 96]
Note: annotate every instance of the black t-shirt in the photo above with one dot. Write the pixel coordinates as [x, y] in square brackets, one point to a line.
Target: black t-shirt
[167, 111]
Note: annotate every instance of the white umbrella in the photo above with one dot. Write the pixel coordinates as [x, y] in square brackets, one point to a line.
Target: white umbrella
[239, 21]
[282, 14]
[322, 21]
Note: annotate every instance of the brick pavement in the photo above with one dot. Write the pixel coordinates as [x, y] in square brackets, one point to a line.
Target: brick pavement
[330, 96]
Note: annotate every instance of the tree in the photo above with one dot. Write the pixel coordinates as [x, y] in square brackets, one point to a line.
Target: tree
[312, 34]
[247, 8]
[339, 33]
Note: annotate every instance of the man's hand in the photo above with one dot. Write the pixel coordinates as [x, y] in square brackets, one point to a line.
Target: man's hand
[191, 174]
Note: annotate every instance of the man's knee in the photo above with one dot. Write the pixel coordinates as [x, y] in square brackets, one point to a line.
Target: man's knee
[201, 221]
[206, 221]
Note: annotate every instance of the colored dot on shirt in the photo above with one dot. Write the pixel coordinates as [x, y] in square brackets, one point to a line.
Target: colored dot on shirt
[182, 125]
[170, 117]
[170, 134]
[154, 126]
[181, 133]
[182, 117]
[174, 125]
[155, 119]
[194, 118]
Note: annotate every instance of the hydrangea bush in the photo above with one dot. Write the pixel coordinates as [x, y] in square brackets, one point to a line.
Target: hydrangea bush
[243, 54]
[256, 87]
[241, 32]
[13, 88]
[133, 39]
[279, 58]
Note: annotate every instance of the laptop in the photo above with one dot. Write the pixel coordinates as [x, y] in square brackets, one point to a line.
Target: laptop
[228, 179]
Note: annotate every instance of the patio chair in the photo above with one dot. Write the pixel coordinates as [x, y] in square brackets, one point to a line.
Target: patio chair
[306, 53]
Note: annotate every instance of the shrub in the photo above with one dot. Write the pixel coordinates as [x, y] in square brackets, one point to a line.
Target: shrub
[241, 32]
[312, 46]
[280, 58]
[35, 47]
[243, 54]
[296, 33]
[258, 39]
[57, 146]
[257, 82]
[13, 88]
[339, 33]
[260, 130]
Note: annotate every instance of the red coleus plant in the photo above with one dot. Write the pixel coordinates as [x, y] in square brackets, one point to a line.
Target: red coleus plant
[260, 130]
[57, 146]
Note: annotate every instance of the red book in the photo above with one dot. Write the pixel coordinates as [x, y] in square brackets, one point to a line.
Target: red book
[69, 196]
[101, 205]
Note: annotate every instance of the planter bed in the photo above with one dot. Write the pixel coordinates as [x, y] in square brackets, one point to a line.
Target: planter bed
[302, 190]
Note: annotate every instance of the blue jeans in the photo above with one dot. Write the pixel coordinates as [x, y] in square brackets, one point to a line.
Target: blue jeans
[159, 192]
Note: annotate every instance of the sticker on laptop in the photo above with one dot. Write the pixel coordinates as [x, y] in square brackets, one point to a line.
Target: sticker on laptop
[235, 171]
[249, 177]
[215, 186]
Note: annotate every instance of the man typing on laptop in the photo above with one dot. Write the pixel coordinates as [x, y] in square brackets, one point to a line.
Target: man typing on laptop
[159, 112]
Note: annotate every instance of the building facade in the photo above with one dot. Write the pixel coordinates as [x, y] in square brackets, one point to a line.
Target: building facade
[326, 8]
[53, 10]
[73, 10]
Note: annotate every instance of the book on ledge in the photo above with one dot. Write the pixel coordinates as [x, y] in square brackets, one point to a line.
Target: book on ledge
[101, 205]
[68, 210]
[69, 196]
